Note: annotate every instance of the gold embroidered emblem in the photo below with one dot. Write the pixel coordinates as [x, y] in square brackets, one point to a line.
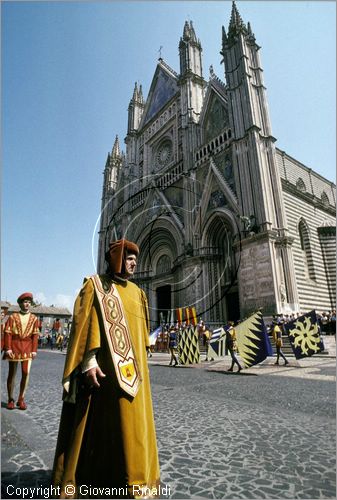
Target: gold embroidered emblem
[118, 336]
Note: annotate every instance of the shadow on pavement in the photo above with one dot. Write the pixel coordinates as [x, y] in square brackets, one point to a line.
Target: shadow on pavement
[225, 372]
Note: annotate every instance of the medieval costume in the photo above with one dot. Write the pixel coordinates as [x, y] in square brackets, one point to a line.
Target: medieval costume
[231, 344]
[277, 337]
[173, 345]
[206, 335]
[4, 319]
[20, 345]
[107, 435]
[59, 341]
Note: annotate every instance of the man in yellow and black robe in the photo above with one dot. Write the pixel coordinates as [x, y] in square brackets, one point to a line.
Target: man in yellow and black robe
[107, 435]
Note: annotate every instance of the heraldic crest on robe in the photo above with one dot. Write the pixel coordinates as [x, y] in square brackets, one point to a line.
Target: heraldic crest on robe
[107, 435]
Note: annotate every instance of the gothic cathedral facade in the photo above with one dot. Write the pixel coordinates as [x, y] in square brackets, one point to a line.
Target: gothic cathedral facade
[225, 221]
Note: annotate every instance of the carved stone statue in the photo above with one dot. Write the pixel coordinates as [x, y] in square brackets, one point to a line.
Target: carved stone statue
[283, 293]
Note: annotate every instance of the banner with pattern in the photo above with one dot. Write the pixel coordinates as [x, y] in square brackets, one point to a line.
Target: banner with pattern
[304, 335]
[188, 346]
[217, 344]
[252, 340]
[187, 315]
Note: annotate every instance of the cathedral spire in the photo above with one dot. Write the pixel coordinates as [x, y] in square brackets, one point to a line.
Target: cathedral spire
[236, 24]
[135, 109]
[236, 20]
[186, 31]
[192, 33]
[189, 33]
[190, 51]
[116, 152]
[224, 35]
[251, 35]
[140, 94]
[135, 92]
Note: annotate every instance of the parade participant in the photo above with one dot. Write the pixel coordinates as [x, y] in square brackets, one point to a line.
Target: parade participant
[107, 433]
[277, 337]
[48, 340]
[59, 341]
[205, 334]
[40, 323]
[20, 346]
[231, 345]
[173, 345]
[56, 329]
[3, 322]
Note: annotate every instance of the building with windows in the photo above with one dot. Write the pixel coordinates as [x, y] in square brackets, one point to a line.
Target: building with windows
[47, 315]
[225, 220]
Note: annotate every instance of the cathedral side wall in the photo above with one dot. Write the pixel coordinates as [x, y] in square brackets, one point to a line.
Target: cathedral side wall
[313, 293]
[292, 170]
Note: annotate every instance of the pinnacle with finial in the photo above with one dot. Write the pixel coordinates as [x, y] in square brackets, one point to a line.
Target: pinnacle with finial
[186, 34]
[135, 92]
[193, 36]
[140, 94]
[224, 35]
[116, 149]
[236, 19]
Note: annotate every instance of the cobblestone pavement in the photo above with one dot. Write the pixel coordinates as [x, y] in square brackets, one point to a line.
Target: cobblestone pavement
[268, 432]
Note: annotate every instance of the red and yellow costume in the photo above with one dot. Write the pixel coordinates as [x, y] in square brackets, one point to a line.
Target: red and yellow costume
[3, 322]
[20, 346]
[21, 336]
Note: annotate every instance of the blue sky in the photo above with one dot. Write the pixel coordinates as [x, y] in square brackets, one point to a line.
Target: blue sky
[68, 73]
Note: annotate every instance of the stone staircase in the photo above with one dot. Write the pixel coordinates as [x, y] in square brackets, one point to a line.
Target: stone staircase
[286, 349]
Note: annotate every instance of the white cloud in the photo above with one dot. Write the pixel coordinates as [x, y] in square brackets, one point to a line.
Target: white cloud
[40, 298]
[62, 300]
[58, 300]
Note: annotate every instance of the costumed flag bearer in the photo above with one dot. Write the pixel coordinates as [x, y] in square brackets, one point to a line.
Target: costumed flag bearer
[231, 344]
[277, 337]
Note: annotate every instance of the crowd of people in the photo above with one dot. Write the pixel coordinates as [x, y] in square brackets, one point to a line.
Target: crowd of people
[168, 338]
[53, 341]
[326, 321]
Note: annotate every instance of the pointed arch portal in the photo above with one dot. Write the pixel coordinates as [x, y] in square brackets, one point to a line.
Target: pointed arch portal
[220, 273]
[163, 303]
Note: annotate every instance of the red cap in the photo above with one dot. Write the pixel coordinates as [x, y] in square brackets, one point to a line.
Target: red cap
[116, 254]
[25, 296]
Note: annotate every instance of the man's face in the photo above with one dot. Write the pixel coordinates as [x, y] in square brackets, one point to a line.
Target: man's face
[25, 305]
[130, 264]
